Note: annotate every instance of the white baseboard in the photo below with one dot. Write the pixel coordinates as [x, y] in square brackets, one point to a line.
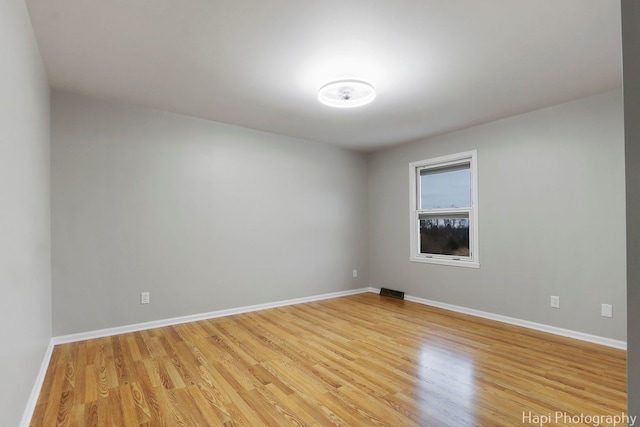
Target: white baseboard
[64, 339]
[622, 345]
[246, 309]
[37, 387]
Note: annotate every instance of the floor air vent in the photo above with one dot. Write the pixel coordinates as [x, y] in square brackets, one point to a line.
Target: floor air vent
[391, 293]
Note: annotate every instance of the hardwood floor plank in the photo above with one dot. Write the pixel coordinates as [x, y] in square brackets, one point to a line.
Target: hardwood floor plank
[225, 396]
[143, 413]
[146, 385]
[65, 408]
[350, 361]
[210, 412]
[359, 402]
[91, 391]
[80, 381]
[308, 415]
[101, 371]
[265, 378]
[345, 413]
[117, 414]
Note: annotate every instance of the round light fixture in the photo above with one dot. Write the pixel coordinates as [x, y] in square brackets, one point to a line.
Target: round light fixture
[346, 93]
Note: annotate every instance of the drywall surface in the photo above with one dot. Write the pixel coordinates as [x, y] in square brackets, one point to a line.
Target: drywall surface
[631, 66]
[552, 218]
[204, 216]
[25, 261]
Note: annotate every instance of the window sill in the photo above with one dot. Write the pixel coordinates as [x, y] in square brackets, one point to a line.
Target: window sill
[450, 262]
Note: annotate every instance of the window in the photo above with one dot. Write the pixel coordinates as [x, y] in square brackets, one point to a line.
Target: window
[444, 210]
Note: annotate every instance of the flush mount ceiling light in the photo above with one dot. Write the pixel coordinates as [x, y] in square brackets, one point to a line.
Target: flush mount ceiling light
[346, 93]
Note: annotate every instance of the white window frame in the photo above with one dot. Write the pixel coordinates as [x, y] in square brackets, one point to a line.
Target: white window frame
[467, 157]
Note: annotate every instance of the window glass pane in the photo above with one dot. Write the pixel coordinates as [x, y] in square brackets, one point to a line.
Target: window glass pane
[448, 187]
[445, 235]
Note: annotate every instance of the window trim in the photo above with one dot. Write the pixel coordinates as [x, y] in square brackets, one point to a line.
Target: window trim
[473, 260]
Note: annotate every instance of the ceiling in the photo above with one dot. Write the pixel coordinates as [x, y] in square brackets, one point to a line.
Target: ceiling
[437, 65]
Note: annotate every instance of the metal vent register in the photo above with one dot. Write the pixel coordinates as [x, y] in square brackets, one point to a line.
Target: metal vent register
[391, 293]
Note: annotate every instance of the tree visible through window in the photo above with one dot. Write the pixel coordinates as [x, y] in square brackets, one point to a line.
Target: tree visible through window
[444, 236]
[444, 210]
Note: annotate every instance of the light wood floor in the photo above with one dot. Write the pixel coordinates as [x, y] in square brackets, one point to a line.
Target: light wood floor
[357, 361]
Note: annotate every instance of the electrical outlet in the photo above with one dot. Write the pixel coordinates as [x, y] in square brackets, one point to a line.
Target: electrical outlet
[607, 310]
[355, 273]
[145, 298]
[555, 301]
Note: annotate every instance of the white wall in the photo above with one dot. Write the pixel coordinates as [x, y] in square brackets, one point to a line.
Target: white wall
[552, 218]
[204, 215]
[25, 306]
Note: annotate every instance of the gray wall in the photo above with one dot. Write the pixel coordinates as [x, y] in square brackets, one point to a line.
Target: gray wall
[25, 280]
[205, 216]
[552, 218]
[631, 65]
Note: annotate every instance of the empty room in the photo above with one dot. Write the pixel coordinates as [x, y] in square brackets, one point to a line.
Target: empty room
[413, 213]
